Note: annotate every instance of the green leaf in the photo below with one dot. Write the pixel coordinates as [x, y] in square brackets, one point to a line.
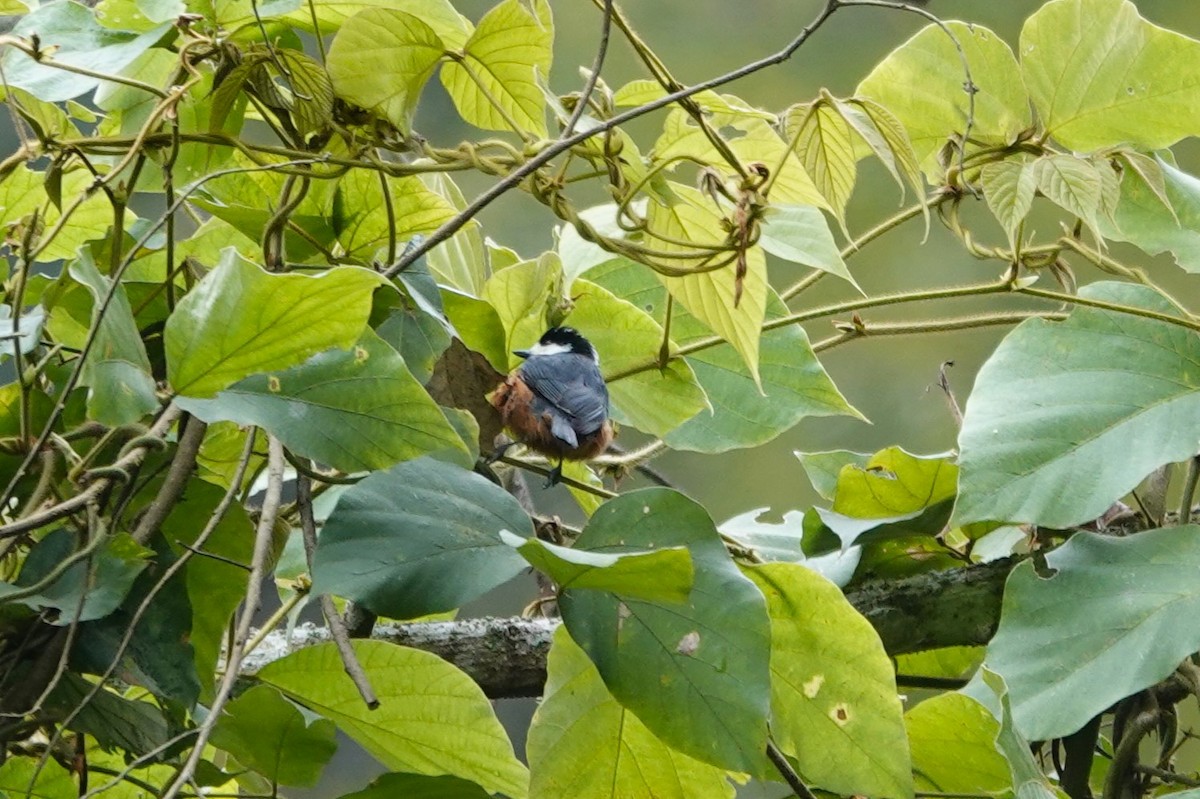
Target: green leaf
[356, 410]
[953, 741]
[695, 674]
[267, 733]
[683, 139]
[26, 776]
[709, 295]
[1116, 616]
[824, 145]
[71, 29]
[478, 327]
[1071, 183]
[655, 401]
[495, 84]
[894, 482]
[90, 589]
[823, 468]
[1009, 186]
[360, 216]
[585, 745]
[1027, 777]
[661, 575]
[450, 552]
[215, 588]
[1144, 219]
[419, 786]
[1066, 417]
[420, 338]
[799, 233]
[137, 727]
[160, 655]
[240, 320]
[1100, 75]
[833, 692]
[794, 386]
[117, 373]
[461, 261]
[451, 27]
[451, 730]
[922, 83]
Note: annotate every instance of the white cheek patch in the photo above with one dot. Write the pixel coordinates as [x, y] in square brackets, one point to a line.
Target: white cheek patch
[548, 349]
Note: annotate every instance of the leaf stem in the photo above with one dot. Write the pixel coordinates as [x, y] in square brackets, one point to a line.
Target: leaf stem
[781, 764]
[1132, 310]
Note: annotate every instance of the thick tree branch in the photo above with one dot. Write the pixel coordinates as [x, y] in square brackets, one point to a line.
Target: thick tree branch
[507, 657]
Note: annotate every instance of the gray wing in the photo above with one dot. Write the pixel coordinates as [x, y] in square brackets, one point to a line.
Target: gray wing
[571, 385]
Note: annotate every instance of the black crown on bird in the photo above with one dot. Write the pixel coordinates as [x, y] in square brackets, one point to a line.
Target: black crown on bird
[559, 340]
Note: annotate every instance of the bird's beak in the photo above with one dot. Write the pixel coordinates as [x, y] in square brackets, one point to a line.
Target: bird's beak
[521, 353]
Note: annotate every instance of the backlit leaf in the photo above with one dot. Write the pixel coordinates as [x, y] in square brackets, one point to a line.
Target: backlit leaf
[501, 63]
[1100, 75]
[451, 730]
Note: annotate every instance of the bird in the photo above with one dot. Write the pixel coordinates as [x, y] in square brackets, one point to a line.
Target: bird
[555, 402]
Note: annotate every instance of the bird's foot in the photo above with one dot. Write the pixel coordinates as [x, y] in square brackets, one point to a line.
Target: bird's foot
[554, 477]
[498, 453]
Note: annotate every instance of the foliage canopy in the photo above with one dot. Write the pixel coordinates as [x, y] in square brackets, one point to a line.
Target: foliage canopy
[250, 322]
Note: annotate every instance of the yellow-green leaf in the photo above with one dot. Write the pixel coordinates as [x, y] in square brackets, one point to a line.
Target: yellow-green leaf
[431, 719]
[583, 744]
[825, 148]
[709, 296]
[451, 26]
[241, 320]
[922, 83]
[381, 59]
[495, 85]
[1100, 75]
[1009, 186]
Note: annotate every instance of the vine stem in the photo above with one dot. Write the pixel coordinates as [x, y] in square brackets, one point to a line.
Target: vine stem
[853, 247]
[1073, 299]
[867, 330]
[258, 571]
[452, 226]
[1189, 490]
[594, 77]
[976, 289]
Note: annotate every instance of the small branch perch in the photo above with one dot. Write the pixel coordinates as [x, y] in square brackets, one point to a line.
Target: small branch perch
[507, 657]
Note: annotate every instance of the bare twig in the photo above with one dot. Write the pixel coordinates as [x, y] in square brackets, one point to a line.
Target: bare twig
[178, 475]
[258, 571]
[337, 629]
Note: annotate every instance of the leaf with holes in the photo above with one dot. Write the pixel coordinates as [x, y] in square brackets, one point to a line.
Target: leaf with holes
[584, 744]
[833, 691]
[696, 674]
